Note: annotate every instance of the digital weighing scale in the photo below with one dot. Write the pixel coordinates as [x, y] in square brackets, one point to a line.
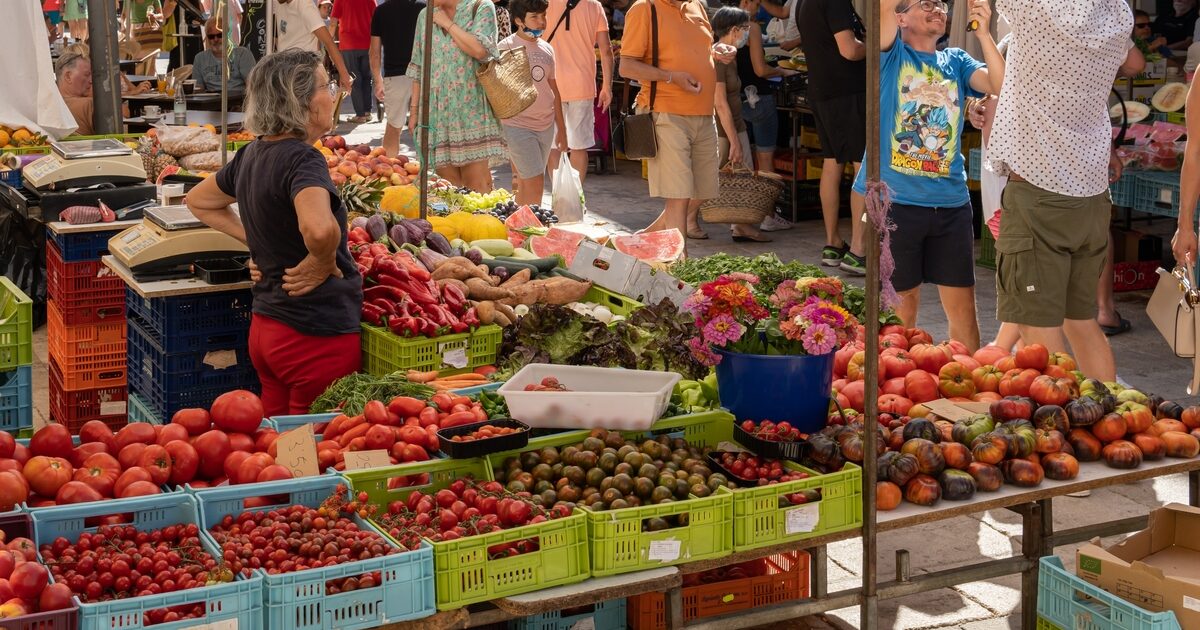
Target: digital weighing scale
[78, 163]
[166, 243]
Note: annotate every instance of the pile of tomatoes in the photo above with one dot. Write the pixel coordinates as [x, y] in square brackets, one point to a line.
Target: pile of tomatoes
[119, 561]
[299, 537]
[773, 432]
[548, 384]
[484, 432]
[465, 508]
[24, 582]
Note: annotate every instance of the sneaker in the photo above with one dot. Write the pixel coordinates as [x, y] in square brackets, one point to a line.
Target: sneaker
[775, 223]
[832, 256]
[852, 264]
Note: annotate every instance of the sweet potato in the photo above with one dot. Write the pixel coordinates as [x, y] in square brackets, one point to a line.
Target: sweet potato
[486, 311]
[507, 311]
[501, 319]
[517, 279]
[565, 290]
[452, 270]
[462, 286]
[480, 290]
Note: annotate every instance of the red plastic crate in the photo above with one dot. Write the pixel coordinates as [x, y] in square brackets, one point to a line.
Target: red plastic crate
[786, 579]
[100, 362]
[87, 292]
[73, 408]
[18, 525]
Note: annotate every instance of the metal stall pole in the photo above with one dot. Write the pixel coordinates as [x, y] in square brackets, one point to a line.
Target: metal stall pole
[225, 19]
[427, 59]
[106, 67]
[870, 603]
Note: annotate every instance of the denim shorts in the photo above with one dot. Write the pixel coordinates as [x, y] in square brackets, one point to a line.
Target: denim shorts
[763, 121]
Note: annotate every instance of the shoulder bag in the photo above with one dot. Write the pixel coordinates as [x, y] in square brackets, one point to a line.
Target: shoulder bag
[637, 130]
[507, 81]
[1172, 308]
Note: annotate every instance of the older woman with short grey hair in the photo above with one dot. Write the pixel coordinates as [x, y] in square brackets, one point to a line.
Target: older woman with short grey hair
[307, 289]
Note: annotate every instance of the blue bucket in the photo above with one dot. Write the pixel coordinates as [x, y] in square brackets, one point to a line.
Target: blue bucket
[777, 388]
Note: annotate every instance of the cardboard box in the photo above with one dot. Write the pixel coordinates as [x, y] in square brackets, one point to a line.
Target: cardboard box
[608, 268]
[945, 409]
[1131, 246]
[1157, 569]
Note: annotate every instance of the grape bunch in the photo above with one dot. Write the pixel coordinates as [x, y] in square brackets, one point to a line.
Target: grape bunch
[504, 210]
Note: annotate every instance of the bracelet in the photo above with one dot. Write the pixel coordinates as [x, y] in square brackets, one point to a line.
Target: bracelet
[670, 75]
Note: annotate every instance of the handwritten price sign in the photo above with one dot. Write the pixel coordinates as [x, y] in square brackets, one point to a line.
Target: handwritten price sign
[298, 452]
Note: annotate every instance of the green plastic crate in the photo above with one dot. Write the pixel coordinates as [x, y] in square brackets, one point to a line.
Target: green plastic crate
[704, 429]
[760, 522]
[384, 353]
[463, 573]
[16, 326]
[1046, 624]
[617, 303]
[987, 250]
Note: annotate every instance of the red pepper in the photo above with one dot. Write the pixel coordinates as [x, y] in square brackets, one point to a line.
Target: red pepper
[362, 271]
[378, 249]
[420, 293]
[471, 318]
[428, 328]
[405, 326]
[384, 291]
[388, 265]
[454, 298]
[414, 267]
[373, 314]
[358, 235]
[389, 307]
[459, 326]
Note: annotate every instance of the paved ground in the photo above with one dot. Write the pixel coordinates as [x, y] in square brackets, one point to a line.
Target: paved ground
[620, 202]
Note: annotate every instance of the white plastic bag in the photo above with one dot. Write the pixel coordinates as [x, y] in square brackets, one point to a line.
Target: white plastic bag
[567, 193]
[991, 187]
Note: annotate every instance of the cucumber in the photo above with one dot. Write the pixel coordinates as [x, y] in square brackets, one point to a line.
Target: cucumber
[543, 265]
[513, 266]
[521, 253]
[494, 246]
[483, 253]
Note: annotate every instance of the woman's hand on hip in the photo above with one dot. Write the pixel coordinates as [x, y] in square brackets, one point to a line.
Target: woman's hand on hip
[255, 273]
[308, 275]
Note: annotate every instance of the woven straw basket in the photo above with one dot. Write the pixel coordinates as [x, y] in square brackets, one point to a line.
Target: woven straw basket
[745, 197]
[508, 83]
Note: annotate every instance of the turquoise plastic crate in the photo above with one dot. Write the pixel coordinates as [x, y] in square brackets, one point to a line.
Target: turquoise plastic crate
[287, 423]
[1157, 193]
[238, 602]
[1060, 603]
[297, 600]
[1123, 190]
[609, 615]
[16, 399]
[139, 411]
[476, 390]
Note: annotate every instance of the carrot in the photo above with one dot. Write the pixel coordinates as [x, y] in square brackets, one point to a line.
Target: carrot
[358, 430]
[468, 376]
[421, 377]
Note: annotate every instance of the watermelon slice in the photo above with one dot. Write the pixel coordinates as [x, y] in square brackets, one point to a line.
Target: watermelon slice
[522, 218]
[664, 246]
[561, 242]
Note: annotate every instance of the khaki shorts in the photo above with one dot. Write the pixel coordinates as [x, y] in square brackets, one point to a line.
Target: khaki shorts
[687, 162]
[580, 120]
[397, 96]
[1050, 255]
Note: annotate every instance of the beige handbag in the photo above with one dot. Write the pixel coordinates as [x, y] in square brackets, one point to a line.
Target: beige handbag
[1172, 308]
[508, 82]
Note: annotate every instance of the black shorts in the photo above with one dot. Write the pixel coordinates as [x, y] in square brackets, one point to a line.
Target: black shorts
[842, 127]
[934, 245]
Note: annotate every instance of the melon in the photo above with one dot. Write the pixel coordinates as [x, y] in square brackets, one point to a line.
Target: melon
[522, 218]
[1170, 97]
[1137, 112]
[556, 242]
[664, 246]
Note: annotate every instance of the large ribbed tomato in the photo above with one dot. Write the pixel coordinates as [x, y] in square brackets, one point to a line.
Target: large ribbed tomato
[238, 411]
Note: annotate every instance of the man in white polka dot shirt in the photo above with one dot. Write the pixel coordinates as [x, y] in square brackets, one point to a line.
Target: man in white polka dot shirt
[1053, 138]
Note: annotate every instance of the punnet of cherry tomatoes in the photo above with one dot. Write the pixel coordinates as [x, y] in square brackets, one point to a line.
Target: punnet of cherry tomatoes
[773, 432]
[548, 384]
[299, 537]
[747, 469]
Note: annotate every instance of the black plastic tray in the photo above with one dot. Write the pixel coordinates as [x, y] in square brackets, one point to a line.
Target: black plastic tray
[717, 466]
[794, 451]
[479, 448]
[221, 271]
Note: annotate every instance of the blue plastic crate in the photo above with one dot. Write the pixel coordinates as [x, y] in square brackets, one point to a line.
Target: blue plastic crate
[476, 390]
[191, 322]
[297, 600]
[16, 399]
[241, 600]
[974, 164]
[1157, 193]
[11, 177]
[84, 246]
[189, 367]
[609, 615]
[1059, 603]
[1123, 191]
[191, 383]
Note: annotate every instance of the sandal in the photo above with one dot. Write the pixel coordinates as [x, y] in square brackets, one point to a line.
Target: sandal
[751, 238]
[1123, 325]
[697, 234]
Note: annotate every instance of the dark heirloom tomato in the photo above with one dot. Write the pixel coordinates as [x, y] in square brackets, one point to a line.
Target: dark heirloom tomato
[1122, 454]
[1060, 466]
[988, 478]
[923, 490]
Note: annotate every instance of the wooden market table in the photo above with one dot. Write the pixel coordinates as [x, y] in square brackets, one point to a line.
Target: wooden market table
[169, 288]
[1038, 539]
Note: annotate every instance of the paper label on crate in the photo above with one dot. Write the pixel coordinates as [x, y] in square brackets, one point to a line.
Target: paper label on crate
[664, 550]
[225, 624]
[803, 519]
[587, 623]
[456, 358]
[113, 408]
[357, 460]
[1191, 603]
[298, 452]
[221, 359]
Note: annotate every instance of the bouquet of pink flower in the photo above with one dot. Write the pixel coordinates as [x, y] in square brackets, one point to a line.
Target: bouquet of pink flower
[804, 317]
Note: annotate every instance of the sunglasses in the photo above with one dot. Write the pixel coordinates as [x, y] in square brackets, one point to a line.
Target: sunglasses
[928, 6]
[215, 36]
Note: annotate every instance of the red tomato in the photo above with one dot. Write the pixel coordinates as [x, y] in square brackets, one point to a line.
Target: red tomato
[14, 489]
[139, 489]
[21, 453]
[76, 492]
[47, 474]
[1034, 356]
[52, 440]
[274, 472]
[28, 580]
[196, 421]
[233, 462]
[56, 596]
[131, 475]
[213, 447]
[130, 455]
[380, 437]
[170, 433]
[8, 562]
[97, 431]
[241, 442]
[264, 439]
[249, 470]
[185, 461]
[136, 432]
[238, 411]
[99, 471]
[7, 444]
[83, 451]
[23, 547]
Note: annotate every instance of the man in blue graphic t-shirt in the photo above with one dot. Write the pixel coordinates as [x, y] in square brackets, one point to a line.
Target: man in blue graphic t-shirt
[923, 94]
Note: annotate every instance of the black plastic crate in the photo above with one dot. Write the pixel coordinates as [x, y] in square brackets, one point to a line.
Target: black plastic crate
[479, 448]
[794, 451]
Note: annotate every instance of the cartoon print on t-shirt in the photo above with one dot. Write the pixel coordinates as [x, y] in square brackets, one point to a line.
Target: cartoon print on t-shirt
[925, 140]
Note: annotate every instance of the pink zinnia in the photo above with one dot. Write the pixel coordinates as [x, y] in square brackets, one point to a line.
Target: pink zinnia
[702, 352]
[722, 329]
[819, 339]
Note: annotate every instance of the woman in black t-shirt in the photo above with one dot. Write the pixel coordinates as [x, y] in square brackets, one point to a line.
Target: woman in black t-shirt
[307, 290]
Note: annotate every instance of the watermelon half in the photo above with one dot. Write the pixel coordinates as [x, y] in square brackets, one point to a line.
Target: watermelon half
[664, 246]
[556, 241]
[522, 218]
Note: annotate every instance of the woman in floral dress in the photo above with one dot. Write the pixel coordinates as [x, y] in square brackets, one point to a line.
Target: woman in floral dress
[465, 136]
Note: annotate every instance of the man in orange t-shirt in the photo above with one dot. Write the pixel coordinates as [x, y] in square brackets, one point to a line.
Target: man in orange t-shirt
[575, 28]
[684, 172]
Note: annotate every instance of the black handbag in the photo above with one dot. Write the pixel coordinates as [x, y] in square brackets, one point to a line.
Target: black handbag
[637, 130]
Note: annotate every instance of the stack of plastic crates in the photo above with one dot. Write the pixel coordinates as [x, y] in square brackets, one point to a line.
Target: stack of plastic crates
[186, 350]
[85, 319]
[16, 357]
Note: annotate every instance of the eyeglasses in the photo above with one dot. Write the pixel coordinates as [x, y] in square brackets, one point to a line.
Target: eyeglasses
[333, 88]
[214, 36]
[928, 6]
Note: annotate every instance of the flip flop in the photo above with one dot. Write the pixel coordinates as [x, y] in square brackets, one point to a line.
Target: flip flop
[697, 235]
[1122, 326]
[751, 238]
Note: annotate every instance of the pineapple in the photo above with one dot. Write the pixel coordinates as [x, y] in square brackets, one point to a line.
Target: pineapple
[362, 196]
[154, 159]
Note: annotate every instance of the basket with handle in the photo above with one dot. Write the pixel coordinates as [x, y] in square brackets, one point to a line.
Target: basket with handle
[508, 82]
[746, 197]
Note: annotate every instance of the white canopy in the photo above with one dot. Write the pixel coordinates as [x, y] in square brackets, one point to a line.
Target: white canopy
[28, 95]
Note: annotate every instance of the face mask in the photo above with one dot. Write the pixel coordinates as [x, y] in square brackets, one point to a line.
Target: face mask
[743, 39]
[534, 32]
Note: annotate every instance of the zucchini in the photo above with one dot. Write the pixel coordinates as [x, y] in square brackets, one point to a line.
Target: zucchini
[521, 253]
[494, 246]
[513, 266]
[543, 265]
[483, 253]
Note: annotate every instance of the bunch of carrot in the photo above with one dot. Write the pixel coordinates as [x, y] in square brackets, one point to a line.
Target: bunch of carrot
[446, 383]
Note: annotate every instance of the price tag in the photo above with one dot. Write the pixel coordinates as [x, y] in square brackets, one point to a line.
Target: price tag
[113, 408]
[950, 411]
[803, 519]
[357, 460]
[298, 452]
[587, 623]
[221, 359]
[225, 624]
[664, 550]
[456, 358]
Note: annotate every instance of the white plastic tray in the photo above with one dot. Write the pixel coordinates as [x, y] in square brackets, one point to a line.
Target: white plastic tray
[599, 398]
